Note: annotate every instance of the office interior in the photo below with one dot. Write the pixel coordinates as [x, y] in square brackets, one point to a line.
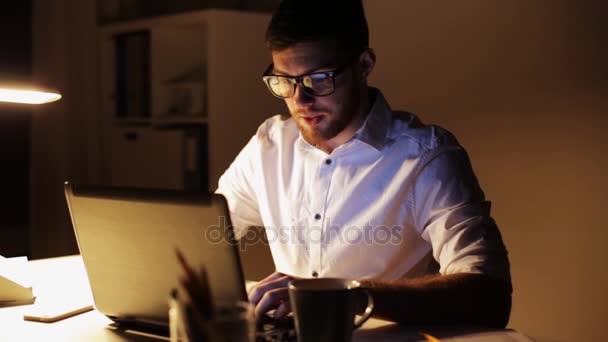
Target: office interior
[522, 84]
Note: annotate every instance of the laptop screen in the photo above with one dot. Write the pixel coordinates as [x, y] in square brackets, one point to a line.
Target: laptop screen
[127, 239]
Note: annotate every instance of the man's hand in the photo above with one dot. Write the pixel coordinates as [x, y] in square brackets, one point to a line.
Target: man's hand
[271, 293]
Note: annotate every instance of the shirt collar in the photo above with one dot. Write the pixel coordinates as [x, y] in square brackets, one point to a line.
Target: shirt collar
[374, 130]
[376, 126]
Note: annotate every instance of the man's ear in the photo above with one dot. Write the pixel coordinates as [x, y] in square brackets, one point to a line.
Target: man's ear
[367, 61]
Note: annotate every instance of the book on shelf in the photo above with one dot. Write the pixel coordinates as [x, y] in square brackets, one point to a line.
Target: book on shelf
[133, 75]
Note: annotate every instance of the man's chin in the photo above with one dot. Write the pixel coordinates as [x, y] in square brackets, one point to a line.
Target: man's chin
[316, 137]
[311, 135]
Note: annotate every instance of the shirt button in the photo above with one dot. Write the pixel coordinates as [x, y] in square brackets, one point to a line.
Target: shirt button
[328, 161]
[317, 216]
[315, 274]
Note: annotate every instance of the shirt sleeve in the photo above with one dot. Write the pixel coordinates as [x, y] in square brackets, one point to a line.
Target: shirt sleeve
[454, 217]
[237, 184]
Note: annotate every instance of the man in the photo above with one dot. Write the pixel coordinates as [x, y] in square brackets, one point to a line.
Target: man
[348, 188]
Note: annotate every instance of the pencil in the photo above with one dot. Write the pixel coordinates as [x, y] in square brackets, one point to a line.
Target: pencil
[429, 337]
[197, 287]
[184, 264]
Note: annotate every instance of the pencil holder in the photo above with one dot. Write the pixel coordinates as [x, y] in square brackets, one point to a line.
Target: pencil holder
[230, 322]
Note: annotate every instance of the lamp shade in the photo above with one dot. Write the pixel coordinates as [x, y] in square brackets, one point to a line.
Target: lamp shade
[27, 94]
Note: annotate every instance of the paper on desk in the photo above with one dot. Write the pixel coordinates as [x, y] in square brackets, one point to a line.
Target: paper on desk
[15, 286]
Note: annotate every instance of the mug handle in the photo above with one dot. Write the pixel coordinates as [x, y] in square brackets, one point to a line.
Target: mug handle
[368, 310]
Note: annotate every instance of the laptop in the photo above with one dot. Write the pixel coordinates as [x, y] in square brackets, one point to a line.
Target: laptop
[127, 238]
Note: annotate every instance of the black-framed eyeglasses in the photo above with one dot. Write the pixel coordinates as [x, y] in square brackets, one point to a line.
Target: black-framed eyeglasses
[315, 84]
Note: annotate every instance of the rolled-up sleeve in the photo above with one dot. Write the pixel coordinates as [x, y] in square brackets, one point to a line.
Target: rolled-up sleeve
[237, 184]
[454, 217]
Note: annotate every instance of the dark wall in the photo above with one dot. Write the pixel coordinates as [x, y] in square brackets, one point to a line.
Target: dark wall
[523, 84]
[15, 66]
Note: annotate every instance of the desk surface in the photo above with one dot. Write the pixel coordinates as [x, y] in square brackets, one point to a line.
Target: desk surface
[61, 278]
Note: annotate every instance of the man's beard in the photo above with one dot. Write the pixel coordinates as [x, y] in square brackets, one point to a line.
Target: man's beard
[330, 126]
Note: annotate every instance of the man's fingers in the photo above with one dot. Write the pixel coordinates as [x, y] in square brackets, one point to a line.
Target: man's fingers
[283, 310]
[271, 293]
[261, 289]
[270, 300]
[271, 277]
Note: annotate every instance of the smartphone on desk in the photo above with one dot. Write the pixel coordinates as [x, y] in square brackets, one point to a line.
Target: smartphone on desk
[49, 313]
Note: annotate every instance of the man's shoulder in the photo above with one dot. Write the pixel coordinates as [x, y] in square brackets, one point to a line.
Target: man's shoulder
[407, 128]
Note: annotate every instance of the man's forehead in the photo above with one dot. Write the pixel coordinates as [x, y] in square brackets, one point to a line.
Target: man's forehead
[307, 55]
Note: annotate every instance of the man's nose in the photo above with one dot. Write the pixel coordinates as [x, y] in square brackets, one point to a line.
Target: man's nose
[301, 96]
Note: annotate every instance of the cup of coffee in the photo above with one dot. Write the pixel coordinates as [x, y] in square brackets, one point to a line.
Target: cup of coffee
[324, 308]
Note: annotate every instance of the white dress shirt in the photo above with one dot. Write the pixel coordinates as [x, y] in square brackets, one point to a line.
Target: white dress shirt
[397, 200]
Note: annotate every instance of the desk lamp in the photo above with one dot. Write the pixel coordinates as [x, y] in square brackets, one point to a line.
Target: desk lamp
[14, 288]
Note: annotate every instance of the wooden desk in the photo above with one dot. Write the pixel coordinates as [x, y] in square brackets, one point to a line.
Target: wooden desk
[60, 278]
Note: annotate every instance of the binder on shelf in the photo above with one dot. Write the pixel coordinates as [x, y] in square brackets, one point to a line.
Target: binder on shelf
[195, 159]
[133, 75]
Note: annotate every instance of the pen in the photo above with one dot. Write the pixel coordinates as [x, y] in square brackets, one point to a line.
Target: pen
[197, 287]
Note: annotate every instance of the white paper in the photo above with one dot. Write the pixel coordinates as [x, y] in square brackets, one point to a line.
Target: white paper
[15, 284]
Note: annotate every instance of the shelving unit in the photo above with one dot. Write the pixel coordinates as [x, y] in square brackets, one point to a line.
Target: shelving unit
[177, 44]
[217, 57]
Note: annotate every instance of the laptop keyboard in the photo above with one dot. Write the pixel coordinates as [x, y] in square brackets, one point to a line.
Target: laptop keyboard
[270, 329]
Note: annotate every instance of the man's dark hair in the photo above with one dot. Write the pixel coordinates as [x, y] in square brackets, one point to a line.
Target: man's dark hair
[298, 21]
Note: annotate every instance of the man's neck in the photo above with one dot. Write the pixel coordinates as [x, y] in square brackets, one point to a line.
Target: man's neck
[349, 132]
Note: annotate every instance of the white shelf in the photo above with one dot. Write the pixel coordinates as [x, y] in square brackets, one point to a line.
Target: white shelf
[186, 20]
[162, 121]
[132, 121]
[176, 120]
